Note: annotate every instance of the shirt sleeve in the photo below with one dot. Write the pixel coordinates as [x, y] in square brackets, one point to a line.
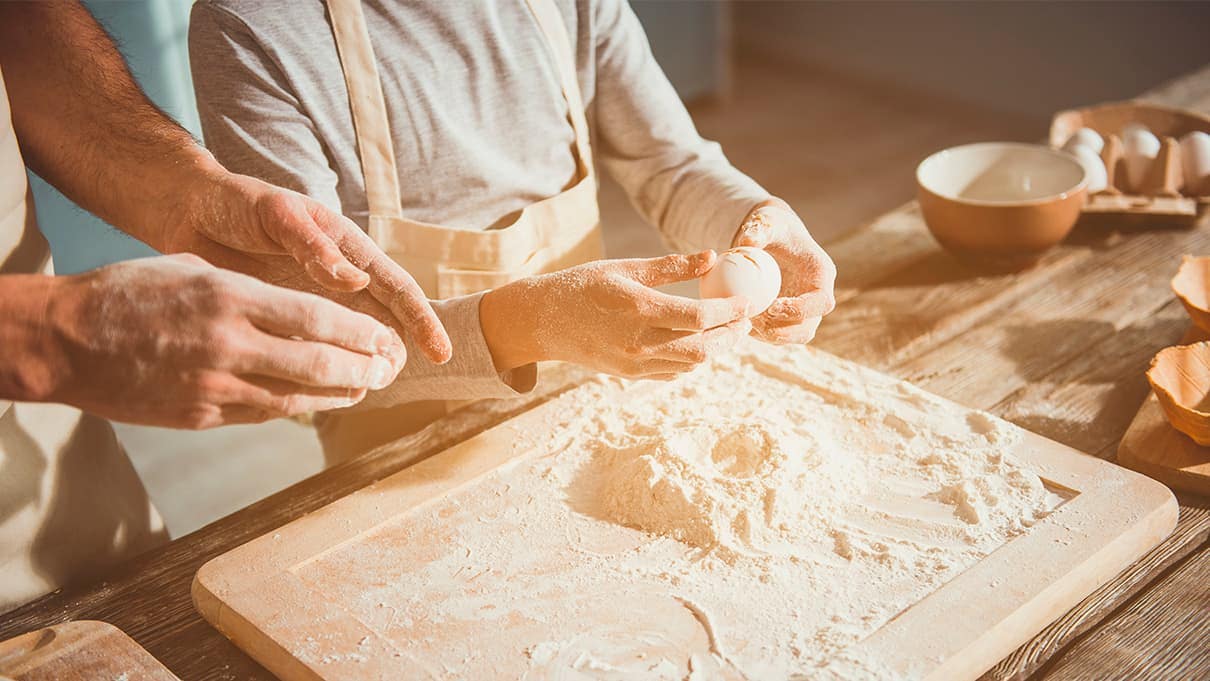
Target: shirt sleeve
[254, 125]
[678, 181]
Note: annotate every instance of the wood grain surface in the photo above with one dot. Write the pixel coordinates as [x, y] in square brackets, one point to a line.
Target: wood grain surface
[1058, 349]
[78, 651]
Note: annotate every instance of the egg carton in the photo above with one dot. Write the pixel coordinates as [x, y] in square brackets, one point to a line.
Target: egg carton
[1163, 192]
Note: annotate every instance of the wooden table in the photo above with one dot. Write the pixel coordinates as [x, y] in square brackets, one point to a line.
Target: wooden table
[1059, 349]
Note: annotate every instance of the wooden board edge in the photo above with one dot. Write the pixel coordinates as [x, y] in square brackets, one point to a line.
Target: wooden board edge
[247, 637]
[1130, 454]
[1070, 590]
[1109, 549]
[219, 603]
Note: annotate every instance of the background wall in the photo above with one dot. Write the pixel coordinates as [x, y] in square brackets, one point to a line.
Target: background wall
[151, 34]
[1030, 58]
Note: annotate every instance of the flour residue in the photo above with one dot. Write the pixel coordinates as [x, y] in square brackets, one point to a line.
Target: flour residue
[755, 519]
[733, 486]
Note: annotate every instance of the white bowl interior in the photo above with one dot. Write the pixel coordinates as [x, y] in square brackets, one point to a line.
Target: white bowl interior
[1000, 172]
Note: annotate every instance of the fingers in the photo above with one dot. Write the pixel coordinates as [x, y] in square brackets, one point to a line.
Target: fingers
[312, 364]
[392, 286]
[665, 311]
[294, 222]
[658, 367]
[698, 347]
[289, 314]
[668, 269]
[791, 311]
[276, 398]
[795, 334]
[223, 399]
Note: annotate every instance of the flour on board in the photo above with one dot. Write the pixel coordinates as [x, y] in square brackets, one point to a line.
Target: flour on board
[754, 519]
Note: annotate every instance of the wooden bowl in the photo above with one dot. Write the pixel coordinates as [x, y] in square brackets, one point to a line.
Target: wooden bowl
[1192, 287]
[1180, 377]
[1000, 203]
[1164, 193]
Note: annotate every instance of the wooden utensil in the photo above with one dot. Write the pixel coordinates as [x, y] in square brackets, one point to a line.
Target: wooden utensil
[1154, 447]
[79, 651]
[276, 598]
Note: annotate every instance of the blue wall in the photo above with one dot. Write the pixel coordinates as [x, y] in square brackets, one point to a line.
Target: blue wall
[152, 35]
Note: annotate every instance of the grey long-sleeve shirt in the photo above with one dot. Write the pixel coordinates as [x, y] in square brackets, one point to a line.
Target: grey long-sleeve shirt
[478, 124]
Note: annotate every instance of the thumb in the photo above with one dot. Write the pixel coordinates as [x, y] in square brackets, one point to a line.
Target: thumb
[669, 269]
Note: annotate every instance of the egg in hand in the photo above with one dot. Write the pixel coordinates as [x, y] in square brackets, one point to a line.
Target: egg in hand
[744, 271]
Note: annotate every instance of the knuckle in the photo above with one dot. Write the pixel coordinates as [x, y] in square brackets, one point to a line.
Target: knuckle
[207, 387]
[219, 342]
[201, 417]
[188, 259]
[286, 405]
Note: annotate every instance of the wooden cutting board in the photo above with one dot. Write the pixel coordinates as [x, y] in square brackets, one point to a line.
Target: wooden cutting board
[79, 651]
[285, 597]
[1153, 447]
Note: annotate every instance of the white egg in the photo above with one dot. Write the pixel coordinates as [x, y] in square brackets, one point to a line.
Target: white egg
[1139, 149]
[1131, 128]
[1195, 162]
[1085, 137]
[1098, 179]
[744, 271]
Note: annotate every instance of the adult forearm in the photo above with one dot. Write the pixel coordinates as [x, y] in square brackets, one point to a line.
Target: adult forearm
[28, 363]
[86, 127]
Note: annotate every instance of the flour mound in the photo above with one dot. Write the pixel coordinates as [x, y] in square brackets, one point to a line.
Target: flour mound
[739, 487]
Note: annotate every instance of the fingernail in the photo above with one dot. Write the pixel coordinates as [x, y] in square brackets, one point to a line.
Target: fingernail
[381, 373]
[352, 398]
[344, 270]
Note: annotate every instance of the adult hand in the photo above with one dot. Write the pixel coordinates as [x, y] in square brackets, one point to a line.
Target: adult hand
[606, 315]
[807, 274]
[173, 341]
[242, 223]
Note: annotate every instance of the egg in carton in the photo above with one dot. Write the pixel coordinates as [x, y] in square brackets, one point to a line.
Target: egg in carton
[1155, 160]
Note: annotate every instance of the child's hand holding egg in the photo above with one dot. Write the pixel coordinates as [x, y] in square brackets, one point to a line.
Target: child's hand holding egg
[744, 271]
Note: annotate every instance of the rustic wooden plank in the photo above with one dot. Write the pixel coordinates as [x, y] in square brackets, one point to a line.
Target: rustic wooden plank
[1190, 534]
[934, 299]
[78, 651]
[884, 246]
[1079, 308]
[1088, 402]
[1160, 634]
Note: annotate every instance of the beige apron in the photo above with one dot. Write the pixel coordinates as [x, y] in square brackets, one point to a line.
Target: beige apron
[552, 234]
[71, 505]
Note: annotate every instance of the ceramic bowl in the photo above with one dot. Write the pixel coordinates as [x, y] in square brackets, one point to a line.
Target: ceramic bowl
[1180, 377]
[1000, 203]
[1192, 287]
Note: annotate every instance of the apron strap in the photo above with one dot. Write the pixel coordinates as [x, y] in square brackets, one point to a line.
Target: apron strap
[368, 106]
[550, 22]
